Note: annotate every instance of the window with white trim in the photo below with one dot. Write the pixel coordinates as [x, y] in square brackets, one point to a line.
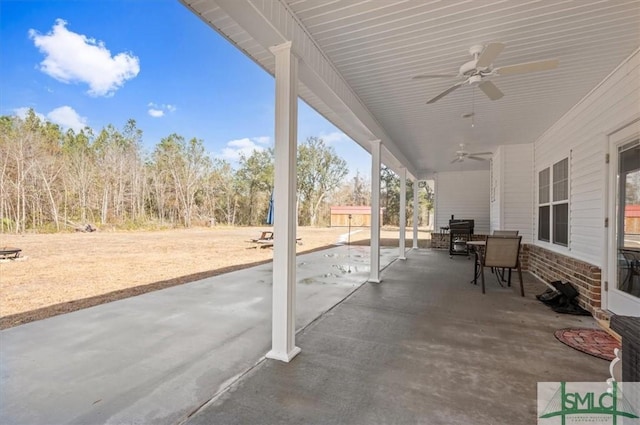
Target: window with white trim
[553, 203]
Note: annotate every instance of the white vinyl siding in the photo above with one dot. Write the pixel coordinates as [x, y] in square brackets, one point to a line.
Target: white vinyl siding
[512, 209]
[465, 195]
[582, 131]
[495, 191]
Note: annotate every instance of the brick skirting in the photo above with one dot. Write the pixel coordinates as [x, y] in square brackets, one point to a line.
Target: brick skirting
[550, 266]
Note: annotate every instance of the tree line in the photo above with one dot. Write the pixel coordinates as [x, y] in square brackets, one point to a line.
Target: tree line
[52, 180]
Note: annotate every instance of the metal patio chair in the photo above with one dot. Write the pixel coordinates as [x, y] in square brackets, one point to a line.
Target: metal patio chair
[502, 252]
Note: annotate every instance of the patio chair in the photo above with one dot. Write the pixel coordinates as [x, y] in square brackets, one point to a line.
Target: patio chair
[503, 233]
[502, 252]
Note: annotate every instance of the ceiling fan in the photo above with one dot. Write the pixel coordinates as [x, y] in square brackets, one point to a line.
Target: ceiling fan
[462, 154]
[479, 71]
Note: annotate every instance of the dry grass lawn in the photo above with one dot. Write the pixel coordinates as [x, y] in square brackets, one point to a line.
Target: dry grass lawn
[63, 272]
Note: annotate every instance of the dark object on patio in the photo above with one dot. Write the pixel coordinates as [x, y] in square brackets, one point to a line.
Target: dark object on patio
[503, 253]
[595, 342]
[9, 253]
[562, 299]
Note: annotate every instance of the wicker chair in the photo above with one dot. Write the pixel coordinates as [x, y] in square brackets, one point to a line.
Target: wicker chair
[502, 252]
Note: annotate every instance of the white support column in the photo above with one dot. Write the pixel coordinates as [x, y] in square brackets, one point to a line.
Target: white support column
[375, 211]
[403, 212]
[415, 214]
[284, 200]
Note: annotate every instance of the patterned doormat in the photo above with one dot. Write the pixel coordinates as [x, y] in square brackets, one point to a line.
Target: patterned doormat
[595, 342]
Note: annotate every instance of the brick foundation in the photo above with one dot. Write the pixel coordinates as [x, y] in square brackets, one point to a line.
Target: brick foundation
[585, 277]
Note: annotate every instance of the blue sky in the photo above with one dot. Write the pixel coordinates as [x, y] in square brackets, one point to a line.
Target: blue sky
[94, 63]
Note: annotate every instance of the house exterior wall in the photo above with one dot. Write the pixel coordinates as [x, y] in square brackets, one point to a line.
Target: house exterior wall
[511, 199]
[580, 136]
[496, 181]
[465, 195]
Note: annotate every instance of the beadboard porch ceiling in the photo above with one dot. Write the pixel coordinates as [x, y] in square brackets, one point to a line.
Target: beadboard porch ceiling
[376, 47]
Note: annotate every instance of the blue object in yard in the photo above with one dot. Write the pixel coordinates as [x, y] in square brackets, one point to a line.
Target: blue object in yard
[270, 212]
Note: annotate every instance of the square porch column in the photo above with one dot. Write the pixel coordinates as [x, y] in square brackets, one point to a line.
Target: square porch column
[284, 200]
[375, 212]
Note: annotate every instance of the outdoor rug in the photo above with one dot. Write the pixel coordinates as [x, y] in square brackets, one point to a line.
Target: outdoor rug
[595, 342]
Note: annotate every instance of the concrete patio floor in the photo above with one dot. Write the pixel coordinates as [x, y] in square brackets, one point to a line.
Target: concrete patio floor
[154, 358]
[422, 347]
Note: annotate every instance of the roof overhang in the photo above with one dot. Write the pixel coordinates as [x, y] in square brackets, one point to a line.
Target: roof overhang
[357, 60]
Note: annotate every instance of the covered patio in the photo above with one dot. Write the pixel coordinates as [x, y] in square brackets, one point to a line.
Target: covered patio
[424, 346]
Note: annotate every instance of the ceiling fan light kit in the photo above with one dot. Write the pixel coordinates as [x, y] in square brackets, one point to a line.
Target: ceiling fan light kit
[479, 70]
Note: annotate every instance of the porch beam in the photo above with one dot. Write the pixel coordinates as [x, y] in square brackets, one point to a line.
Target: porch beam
[284, 248]
[375, 211]
[403, 212]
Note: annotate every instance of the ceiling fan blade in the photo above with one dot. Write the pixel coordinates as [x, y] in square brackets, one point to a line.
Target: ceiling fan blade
[523, 68]
[425, 76]
[490, 90]
[480, 153]
[458, 159]
[476, 158]
[489, 54]
[446, 92]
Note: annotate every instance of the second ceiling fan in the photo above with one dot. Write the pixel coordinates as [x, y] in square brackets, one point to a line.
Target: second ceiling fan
[479, 71]
[462, 154]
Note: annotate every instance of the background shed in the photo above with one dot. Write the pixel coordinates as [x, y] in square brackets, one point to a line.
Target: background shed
[360, 216]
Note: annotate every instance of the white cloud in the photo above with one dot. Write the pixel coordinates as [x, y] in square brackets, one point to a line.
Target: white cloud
[22, 113]
[263, 140]
[158, 111]
[67, 117]
[72, 58]
[335, 137]
[245, 146]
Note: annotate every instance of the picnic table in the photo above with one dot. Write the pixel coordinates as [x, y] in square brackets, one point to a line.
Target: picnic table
[266, 240]
[9, 252]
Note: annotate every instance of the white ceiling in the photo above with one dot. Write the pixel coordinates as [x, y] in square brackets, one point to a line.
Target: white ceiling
[378, 46]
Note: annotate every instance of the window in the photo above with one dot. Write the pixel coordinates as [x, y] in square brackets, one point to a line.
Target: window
[553, 203]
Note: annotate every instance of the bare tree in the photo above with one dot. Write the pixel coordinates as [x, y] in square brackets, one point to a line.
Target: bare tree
[188, 166]
[320, 172]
